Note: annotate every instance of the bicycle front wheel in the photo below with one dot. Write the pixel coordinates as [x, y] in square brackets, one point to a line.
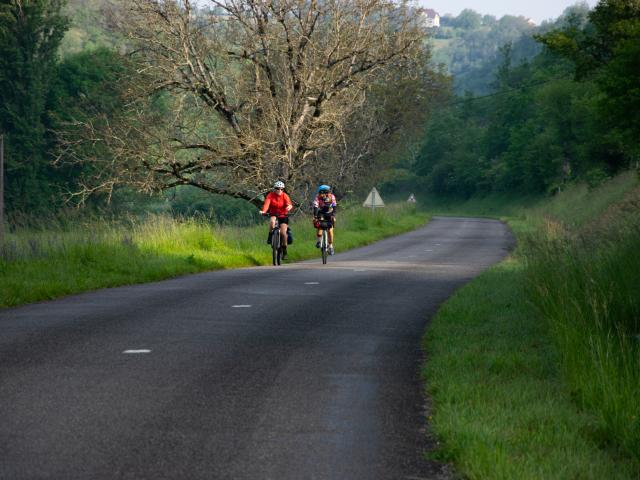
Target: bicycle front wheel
[275, 246]
[325, 247]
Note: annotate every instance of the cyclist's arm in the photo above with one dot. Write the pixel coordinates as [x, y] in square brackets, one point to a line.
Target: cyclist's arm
[265, 206]
[289, 206]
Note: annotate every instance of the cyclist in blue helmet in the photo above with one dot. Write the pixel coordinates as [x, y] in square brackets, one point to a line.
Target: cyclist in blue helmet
[324, 208]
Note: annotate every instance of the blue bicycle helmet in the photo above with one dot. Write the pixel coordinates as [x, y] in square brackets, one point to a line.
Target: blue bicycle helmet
[324, 188]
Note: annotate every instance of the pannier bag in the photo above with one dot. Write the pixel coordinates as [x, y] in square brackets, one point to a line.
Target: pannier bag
[317, 223]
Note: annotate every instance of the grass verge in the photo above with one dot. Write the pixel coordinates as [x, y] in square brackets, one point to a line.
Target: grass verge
[45, 264]
[525, 381]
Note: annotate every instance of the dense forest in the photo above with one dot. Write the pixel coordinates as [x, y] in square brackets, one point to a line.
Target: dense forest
[513, 108]
[568, 113]
[469, 46]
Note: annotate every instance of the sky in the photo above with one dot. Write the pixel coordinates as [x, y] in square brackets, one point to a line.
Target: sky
[536, 10]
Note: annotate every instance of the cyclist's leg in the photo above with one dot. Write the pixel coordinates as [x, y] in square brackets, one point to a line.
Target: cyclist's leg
[331, 236]
[283, 234]
[272, 223]
[282, 231]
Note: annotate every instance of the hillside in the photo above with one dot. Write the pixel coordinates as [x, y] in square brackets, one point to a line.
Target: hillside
[469, 45]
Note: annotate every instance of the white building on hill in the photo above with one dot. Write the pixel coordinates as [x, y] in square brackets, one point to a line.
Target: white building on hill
[433, 18]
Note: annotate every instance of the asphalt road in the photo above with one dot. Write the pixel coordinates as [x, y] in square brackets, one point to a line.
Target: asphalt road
[305, 371]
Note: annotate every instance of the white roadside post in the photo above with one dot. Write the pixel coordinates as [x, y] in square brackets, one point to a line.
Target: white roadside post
[373, 200]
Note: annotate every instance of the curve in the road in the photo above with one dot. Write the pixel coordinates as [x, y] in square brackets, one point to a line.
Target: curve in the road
[306, 371]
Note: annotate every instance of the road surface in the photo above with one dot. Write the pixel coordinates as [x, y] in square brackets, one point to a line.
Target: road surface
[305, 371]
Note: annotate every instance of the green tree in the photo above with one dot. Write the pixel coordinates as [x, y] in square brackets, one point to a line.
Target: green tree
[570, 112]
[30, 33]
[468, 19]
[87, 89]
[620, 76]
[451, 160]
[607, 50]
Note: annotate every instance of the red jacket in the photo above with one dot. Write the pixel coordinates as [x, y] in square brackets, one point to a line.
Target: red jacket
[276, 204]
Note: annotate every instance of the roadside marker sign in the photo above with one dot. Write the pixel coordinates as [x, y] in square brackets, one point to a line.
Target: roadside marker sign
[373, 200]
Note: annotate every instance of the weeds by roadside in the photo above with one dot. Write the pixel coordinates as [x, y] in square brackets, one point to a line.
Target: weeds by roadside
[501, 409]
[587, 287]
[48, 263]
[534, 367]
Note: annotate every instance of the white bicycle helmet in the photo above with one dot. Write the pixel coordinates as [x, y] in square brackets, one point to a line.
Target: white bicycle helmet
[278, 184]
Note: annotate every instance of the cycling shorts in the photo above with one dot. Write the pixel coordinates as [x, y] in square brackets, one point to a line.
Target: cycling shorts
[284, 219]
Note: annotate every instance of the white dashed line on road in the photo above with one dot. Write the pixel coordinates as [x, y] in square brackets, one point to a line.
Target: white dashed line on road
[240, 306]
[128, 352]
[312, 283]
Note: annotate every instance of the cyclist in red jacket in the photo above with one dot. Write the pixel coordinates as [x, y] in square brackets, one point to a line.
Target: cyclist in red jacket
[277, 204]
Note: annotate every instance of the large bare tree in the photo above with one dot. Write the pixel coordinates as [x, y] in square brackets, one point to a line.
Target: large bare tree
[388, 129]
[233, 94]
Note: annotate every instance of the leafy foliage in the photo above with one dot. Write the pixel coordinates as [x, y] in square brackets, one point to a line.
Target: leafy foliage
[571, 112]
[88, 29]
[30, 33]
[86, 89]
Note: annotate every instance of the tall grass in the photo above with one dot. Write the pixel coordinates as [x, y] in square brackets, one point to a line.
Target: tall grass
[587, 286]
[44, 263]
[500, 405]
[534, 367]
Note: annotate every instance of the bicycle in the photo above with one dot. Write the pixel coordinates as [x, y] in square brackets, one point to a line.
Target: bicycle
[325, 226]
[276, 243]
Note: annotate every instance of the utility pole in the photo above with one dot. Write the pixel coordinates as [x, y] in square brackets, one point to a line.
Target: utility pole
[1, 189]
